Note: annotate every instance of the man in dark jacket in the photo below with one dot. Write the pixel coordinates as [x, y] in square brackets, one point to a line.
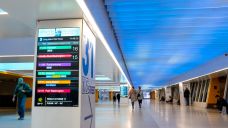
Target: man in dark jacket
[118, 98]
[221, 102]
[114, 98]
[186, 96]
[20, 91]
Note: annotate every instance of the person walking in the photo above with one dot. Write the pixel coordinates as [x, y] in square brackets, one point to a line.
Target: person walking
[20, 91]
[221, 102]
[114, 98]
[118, 98]
[132, 95]
[140, 96]
[186, 96]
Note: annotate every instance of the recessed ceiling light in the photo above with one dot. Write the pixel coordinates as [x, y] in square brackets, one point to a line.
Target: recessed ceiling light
[2, 12]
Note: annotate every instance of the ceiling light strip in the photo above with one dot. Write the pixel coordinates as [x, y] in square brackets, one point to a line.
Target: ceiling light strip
[17, 56]
[2, 12]
[88, 14]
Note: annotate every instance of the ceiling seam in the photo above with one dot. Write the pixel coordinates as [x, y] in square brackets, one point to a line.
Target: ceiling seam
[118, 45]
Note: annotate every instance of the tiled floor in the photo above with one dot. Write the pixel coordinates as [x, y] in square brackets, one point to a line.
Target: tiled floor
[152, 115]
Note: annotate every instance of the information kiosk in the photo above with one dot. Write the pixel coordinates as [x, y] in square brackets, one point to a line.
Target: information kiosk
[64, 75]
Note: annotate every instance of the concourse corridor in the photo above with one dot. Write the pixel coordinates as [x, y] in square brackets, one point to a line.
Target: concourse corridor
[152, 115]
[158, 115]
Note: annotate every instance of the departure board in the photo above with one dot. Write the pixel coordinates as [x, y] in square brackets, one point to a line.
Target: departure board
[57, 67]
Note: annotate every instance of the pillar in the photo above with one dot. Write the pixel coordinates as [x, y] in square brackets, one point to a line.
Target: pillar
[64, 76]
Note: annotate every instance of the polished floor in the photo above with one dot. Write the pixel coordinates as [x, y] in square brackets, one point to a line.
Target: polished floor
[152, 115]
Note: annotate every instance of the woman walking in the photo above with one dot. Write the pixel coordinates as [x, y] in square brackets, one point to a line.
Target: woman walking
[132, 95]
[140, 96]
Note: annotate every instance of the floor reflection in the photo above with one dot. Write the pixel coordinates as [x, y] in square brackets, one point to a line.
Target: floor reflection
[151, 115]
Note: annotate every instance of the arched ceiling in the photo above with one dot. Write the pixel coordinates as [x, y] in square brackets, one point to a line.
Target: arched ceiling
[161, 40]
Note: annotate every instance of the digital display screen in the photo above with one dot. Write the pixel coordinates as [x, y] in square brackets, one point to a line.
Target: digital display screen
[123, 90]
[57, 67]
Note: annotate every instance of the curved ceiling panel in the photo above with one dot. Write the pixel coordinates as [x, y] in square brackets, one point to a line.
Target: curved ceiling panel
[164, 39]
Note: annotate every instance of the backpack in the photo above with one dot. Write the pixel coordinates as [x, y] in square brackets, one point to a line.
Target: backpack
[28, 90]
[29, 93]
[138, 95]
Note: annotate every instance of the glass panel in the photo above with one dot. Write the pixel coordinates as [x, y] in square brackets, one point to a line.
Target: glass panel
[202, 91]
[206, 90]
[192, 90]
[226, 86]
[197, 91]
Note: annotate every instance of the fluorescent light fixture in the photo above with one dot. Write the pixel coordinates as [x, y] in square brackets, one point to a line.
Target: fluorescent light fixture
[87, 13]
[16, 66]
[100, 75]
[110, 88]
[16, 56]
[123, 85]
[2, 12]
[102, 78]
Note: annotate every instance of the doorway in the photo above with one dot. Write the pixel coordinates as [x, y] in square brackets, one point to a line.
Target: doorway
[7, 87]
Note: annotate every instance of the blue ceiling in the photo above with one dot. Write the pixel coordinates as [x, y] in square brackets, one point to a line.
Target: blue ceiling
[163, 39]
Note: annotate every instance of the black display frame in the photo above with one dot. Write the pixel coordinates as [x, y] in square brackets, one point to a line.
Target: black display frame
[58, 94]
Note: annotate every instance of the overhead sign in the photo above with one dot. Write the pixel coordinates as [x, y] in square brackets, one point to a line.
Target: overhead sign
[57, 67]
